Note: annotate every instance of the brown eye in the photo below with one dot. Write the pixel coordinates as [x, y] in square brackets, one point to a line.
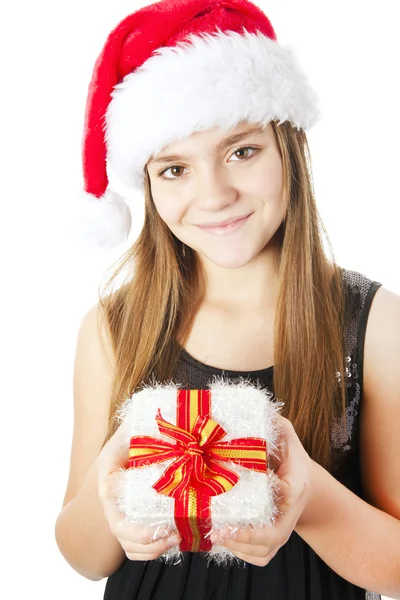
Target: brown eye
[172, 169]
[176, 167]
[241, 150]
[245, 149]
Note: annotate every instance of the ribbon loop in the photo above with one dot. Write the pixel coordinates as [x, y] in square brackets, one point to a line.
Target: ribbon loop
[197, 457]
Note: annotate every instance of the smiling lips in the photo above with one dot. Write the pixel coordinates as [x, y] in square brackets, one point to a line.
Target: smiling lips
[226, 222]
[229, 225]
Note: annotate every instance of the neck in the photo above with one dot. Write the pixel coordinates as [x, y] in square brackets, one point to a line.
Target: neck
[253, 287]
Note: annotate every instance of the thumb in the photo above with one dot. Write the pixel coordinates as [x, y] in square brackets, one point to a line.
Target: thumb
[114, 455]
[276, 458]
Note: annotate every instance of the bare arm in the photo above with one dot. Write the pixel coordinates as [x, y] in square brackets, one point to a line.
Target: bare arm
[82, 531]
[360, 540]
[83, 535]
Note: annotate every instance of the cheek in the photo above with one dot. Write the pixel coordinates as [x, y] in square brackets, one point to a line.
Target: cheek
[271, 179]
[170, 209]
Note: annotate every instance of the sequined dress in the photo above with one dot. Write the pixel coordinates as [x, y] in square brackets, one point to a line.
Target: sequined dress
[296, 572]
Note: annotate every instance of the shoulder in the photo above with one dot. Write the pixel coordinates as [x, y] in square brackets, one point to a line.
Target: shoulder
[382, 344]
[92, 386]
[359, 293]
[380, 414]
[94, 335]
[357, 286]
[373, 317]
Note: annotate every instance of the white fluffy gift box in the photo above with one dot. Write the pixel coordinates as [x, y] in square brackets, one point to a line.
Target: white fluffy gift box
[245, 412]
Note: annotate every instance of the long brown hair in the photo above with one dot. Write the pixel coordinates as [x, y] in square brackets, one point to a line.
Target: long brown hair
[150, 315]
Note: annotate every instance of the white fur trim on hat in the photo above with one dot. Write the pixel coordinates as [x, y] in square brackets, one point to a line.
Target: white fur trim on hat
[104, 221]
[213, 80]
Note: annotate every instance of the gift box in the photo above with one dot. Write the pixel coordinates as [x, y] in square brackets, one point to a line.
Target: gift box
[198, 461]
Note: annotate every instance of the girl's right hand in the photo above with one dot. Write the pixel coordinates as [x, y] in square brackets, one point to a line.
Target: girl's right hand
[137, 541]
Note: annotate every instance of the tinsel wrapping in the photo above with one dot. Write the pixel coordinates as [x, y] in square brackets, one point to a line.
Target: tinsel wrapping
[245, 412]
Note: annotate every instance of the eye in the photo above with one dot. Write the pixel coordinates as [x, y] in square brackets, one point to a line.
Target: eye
[162, 173]
[246, 148]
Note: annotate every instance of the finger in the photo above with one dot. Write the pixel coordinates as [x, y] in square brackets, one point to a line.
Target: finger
[247, 549]
[289, 490]
[123, 529]
[283, 426]
[253, 560]
[111, 485]
[289, 483]
[144, 536]
[143, 557]
[284, 496]
[278, 453]
[247, 535]
[115, 453]
[273, 463]
[155, 548]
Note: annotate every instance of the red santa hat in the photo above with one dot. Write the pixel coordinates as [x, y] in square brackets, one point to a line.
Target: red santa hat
[170, 69]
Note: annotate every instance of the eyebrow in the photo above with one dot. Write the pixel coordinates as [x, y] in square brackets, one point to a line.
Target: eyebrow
[232, 139]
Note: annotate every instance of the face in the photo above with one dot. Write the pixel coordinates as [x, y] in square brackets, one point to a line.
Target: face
[208, 179]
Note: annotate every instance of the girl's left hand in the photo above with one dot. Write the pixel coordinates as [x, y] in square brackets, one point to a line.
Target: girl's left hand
[294, 472]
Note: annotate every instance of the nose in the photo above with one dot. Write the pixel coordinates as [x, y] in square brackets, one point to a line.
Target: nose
[214, 189]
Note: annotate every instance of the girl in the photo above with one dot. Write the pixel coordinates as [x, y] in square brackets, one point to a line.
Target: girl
[206, 112]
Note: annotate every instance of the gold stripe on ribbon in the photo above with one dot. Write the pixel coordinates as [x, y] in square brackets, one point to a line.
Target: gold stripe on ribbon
[192, 514]
[247, 453]
[178, 476]
[194, 407]
[206, 432]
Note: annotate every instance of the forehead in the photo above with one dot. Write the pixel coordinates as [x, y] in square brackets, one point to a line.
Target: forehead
[215, 137]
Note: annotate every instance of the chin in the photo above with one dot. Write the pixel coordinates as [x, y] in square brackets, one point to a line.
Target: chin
[230, 259]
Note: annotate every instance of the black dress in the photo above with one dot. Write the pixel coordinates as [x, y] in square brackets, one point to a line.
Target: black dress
[296, 572]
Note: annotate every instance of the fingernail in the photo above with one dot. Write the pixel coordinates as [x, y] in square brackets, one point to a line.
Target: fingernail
[172, 541]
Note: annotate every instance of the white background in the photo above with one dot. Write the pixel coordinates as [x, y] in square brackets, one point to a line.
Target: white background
[349, 50]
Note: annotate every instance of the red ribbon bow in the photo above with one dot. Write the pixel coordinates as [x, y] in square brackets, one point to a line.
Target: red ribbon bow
[196, 455]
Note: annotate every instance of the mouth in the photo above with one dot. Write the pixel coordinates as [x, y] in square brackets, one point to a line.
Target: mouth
[226, 222]
[228, 226]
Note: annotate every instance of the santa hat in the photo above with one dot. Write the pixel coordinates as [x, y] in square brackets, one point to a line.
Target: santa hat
[170, 69]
